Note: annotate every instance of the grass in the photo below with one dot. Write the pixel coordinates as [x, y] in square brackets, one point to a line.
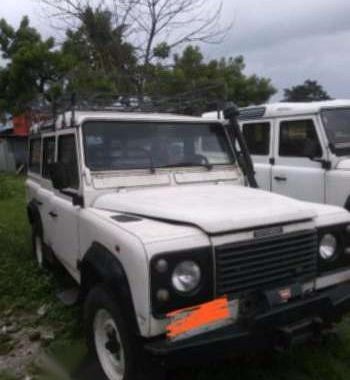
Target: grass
[23, 286]
[23, 289]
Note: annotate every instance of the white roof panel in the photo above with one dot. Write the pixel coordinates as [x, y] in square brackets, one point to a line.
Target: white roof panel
[292, 109]
[285, 109]
[82, 116]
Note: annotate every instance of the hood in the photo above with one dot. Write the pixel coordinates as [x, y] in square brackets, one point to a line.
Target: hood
[212, 208]
[344, 164]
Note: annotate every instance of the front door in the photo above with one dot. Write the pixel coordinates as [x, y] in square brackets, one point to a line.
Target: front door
[64, 215]
[258, 136]
[46, 192]
[295, 173]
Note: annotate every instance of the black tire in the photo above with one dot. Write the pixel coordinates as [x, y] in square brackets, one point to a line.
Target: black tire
[38, 240]
[100, 299]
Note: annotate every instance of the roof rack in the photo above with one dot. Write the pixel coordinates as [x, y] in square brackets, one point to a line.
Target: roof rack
[194, 102]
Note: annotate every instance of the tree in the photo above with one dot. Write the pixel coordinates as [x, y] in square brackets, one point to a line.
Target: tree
[152, 24]
[309, 91]
[96, 59]
[213, 81]
[101, 59]
[32, 66]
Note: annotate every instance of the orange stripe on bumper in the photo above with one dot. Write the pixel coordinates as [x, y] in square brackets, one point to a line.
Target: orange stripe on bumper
[186, 320]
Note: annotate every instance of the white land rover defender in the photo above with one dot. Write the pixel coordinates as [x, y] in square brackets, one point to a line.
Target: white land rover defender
[301, 150]
[173, 255]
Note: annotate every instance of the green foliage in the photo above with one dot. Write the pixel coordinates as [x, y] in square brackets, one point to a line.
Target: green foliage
[7, 376]
[8, 188]
[223, 79]
[309, 91]
[23, 286]
[101, 60]
[162, 50]
[33, 63]
[97, 58]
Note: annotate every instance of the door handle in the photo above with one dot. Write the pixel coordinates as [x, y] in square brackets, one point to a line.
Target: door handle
[53, 214]
[280, 179]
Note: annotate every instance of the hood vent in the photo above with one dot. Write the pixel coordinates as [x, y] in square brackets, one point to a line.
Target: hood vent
[126, 218]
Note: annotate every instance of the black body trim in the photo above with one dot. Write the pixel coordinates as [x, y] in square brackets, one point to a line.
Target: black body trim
[341, 260]
[231, 113]
[205, 292]
[347, 204]
[296, 322]
[34, 215]
[100, 266]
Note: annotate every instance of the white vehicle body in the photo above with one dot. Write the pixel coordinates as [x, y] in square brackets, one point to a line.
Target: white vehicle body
[138, 215]
[323, 178]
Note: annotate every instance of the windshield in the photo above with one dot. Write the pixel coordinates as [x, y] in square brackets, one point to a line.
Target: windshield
[117, 145]
[337, 127]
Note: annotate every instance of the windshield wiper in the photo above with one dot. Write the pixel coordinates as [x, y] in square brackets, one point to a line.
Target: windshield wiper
[187, 164]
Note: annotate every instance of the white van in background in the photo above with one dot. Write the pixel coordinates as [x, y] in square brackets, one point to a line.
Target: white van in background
[301, 150]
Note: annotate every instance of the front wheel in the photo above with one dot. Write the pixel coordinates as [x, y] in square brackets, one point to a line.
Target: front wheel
[110, 337]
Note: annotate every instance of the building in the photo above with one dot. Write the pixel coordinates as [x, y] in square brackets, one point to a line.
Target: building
[14, 144]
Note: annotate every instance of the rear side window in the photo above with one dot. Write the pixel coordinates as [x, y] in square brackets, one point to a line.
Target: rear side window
[48, 155]
[34, 155]
[298, 138]
[257, 136]
[67, 155]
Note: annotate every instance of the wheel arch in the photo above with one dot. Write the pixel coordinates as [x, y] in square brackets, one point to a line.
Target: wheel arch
[347, 203]
[34, 217]
[100, 266]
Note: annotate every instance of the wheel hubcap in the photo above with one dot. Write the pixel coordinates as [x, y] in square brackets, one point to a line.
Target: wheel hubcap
[108, 345]
[112, 345]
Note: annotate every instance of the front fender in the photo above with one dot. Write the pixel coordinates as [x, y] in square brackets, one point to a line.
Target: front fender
[101, 266]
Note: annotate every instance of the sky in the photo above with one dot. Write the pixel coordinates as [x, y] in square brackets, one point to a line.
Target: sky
[288, 41]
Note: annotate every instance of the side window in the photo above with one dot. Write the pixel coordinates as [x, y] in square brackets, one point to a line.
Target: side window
[298, 138]
[67, 155]
[34, 155]
[48, 155]
[257, 136]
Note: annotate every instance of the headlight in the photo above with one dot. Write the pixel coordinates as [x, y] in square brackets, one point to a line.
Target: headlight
[328, 247]
[186, 276]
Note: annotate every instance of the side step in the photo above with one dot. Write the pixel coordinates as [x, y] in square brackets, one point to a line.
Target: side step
[298, 333]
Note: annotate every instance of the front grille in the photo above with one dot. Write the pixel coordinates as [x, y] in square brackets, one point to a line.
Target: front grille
[264, 263]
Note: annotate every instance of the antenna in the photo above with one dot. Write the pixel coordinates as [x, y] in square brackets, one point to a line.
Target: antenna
[73, 105]
[54, 112]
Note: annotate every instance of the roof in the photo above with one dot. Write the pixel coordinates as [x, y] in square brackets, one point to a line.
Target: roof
[284, 109]
[82, 116]
[291, 109]
[137, 116]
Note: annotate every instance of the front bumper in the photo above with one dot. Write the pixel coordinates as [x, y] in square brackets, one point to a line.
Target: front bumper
[282, 325]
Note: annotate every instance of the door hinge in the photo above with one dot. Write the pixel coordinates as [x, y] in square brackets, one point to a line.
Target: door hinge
[272, 161]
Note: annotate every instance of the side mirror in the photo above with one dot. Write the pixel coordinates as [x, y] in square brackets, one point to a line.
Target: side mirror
[59, 176]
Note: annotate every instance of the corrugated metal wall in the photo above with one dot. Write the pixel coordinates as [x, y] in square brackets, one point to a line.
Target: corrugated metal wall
[7, 156]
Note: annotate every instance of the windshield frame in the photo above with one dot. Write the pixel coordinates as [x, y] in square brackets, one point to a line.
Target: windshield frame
[151, 169]
[339, 149]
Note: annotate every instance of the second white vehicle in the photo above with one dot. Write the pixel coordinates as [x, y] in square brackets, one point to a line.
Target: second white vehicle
[301, 150]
